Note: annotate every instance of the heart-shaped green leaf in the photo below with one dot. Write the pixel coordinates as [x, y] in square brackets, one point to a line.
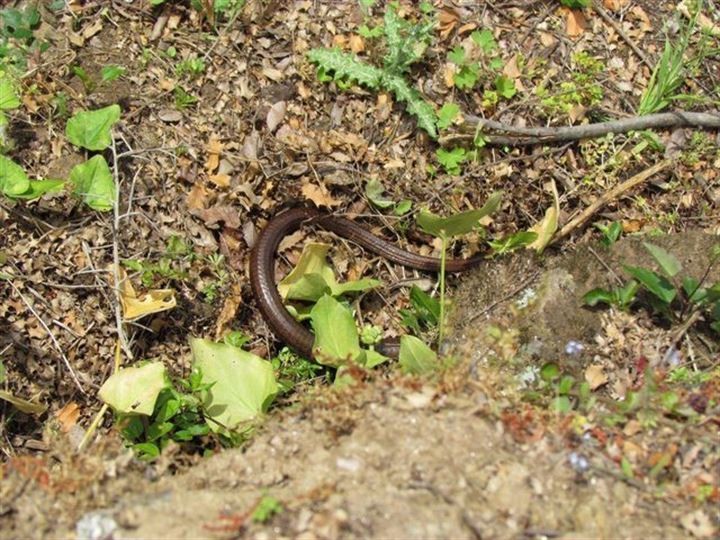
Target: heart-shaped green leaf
[93, 182]
[134, 390]
[91, 129]
[242, 385]
[13, 180]
[336, 336]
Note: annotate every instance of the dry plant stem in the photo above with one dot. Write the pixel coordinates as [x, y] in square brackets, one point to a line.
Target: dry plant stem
[608, 19]
[122, 337]
[521, 136]
[52, 337]
[608, 196]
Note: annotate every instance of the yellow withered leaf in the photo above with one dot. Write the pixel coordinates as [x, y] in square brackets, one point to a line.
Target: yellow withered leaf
[153, 301]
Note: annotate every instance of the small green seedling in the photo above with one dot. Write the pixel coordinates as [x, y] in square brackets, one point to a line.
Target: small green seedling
[266, 508]
[425, 312]
[374, 191]
[448, 227]
[610, 233]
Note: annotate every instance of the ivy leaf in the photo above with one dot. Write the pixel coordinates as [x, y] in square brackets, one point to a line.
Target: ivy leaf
[91, 129]
[460, 223]
[13, 180]
[240, 385]
[134, 390]
[94, 183]
[336, 336]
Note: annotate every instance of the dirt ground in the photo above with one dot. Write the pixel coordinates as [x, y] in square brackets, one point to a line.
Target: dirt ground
[210, 154]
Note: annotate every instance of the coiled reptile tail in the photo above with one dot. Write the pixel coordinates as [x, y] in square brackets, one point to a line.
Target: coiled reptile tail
[262, 270]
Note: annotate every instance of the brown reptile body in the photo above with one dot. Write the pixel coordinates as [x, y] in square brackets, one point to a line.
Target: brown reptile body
[262, 270]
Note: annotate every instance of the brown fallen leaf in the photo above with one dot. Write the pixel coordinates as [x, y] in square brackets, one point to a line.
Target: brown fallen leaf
[214, 149]
[68, 416]
[275, 115]
[357, 44]
[614, 5]
[219, 214]
[136, 306]
[227, 314]
[220, 180]
[197, 197]
[575, 22]
[319, 195]
[595, 376]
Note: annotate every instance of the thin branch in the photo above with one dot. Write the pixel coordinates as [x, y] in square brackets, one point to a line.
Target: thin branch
[505, 134]
[52, 337]
[610, 195]
[608, 19]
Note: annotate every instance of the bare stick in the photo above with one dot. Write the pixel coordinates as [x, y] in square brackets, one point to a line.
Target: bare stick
[52, 337]
[122, 337]
[521, 136]
[610, 195]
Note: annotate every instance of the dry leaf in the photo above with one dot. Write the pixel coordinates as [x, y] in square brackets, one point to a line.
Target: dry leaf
[319, 195]
[153, 301]
[94, 28]
[220, 180]
[614, 5]
[546, 228]
[639, 13]
[23, 405]
[214, 148]
[511, 68]
[68, 416]
[595, 376]
[275, 115]
[227, 314]
[575, 23]
[698, 524]
[197, 197]
[357, 44]
[219, 214]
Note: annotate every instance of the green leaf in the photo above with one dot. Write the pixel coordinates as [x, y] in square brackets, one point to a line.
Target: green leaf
[415, 357]
[693, 291]
[460, 223]
[624, 296]
[403, 207]
[2, 372]
[562, 404]
[549, 372]
[451, 159]
[484, 39]
[13, 180]
[448, 113]
[565, 385]
[576, 4]
[467, 77]
[312, 277]
[91, 129]
[146, 451]
[513, 242]
[457, 56]
[374, 191]
[611, 232]
[598, 295]
[243, 385]
[655, 283]
[94, 182]
[667, 261]
[374, 359]
[111, 72]
[38, 188]
[336, 336]
[8, 97]
[427, 307]
[134, 390]
[505, 86]
[346, 66]
[416, 105]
